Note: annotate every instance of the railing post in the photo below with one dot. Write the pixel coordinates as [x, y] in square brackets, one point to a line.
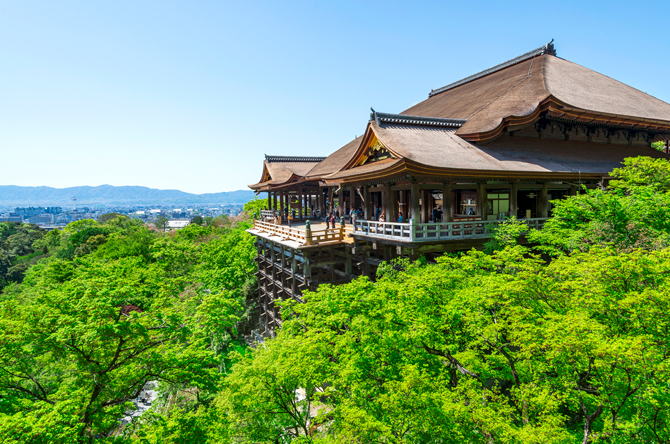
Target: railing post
[412, 229]
[341, 228]
[308, 233]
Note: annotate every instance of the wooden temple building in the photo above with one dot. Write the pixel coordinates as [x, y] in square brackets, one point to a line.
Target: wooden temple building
[503, 142]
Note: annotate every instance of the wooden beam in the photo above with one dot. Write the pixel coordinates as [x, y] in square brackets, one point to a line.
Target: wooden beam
[447, 210]
[543, 204]
[481, 201]
[414, 198]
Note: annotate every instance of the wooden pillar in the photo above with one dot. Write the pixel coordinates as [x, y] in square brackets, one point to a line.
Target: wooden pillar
[282, 198]
[387, 206]
[402, 204]
[352, 197]
[340, 200]
[274, 202]
[481, 201]
[368, 212]
[447, 211]
[422, 204]
[331, 191]
[513, 202]
[543, 210]
[294, 269]
[393, 206]
[414, 198]
[300, 203]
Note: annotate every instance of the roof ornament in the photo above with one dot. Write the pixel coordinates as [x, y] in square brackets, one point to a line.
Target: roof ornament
[373, 115]
[549, 48]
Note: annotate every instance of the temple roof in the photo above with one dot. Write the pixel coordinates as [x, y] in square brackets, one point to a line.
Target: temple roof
[521, 86]
[458, 130]
[280, 170]
[440, 151]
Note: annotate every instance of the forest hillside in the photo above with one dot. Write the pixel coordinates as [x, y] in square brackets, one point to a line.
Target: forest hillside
[562, 338]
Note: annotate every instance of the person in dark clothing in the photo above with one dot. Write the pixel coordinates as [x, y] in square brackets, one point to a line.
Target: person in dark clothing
[436, 214]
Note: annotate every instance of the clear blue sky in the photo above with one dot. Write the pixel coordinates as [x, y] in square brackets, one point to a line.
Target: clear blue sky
[190, 95]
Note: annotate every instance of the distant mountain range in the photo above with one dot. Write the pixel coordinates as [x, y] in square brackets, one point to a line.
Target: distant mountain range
[111, 195]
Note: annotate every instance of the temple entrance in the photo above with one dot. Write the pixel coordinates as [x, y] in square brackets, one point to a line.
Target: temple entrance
[527, 203]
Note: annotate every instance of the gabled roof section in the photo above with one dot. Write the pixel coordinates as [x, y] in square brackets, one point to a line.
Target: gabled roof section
[431, 151]
[282, 170]
[516, 92]
[546, 49]
[370, 144]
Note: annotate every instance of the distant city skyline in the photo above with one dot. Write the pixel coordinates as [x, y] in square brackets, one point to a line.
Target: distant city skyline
[190, 96]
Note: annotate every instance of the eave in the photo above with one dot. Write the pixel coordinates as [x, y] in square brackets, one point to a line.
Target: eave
[406, 167]
[557, 108]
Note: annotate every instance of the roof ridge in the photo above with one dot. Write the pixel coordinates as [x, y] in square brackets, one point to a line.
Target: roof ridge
[415, 120]
[546, 49]
[291, 159]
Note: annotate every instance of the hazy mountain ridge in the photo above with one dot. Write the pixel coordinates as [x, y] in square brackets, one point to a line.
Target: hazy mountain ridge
[109, 194]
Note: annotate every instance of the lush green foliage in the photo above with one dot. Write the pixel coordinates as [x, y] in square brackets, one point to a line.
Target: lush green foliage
[117, 306]
[505, 345]
[633, 213]
[500, 348]
[20, 247]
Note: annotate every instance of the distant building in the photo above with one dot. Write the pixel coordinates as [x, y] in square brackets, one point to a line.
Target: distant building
[11, 217]
[177, 224]
[41, 219]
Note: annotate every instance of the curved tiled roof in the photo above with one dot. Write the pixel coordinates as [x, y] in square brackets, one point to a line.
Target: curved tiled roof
[444, 152]
[284, 170]
[519, 89]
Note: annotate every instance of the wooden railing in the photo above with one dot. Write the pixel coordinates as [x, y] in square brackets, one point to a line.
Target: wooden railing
[415, 232]
[303, 237]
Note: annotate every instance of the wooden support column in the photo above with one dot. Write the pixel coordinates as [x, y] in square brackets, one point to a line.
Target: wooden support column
[320, 202]
[481, 201]
[402, 204]
[414, 198]
[307, 268]
[348, 266]
[274, 202]
[387, 206]
[300, 203]
[543, 204]
[393, 206]
[331, 191]
[282, 198]
[294, 268]
[340, 200]
[352, 197]
[513, 202]
[447, 211]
